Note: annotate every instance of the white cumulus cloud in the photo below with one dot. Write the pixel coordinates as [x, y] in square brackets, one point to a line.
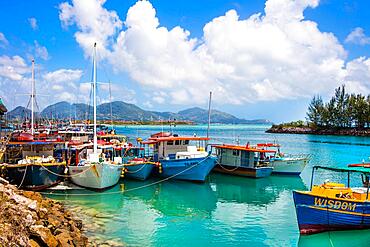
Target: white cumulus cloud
[273, 55]
[63, 75]
[96, 24]
[357, 36]
[13, 68]
[358, 75]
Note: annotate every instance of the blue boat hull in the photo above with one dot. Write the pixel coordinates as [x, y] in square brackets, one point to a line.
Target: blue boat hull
[196, 169]
[139, 171]
[259, 172]
[34, 177]
[318, 214]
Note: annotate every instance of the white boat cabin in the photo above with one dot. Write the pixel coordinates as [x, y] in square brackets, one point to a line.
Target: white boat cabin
[176, 147]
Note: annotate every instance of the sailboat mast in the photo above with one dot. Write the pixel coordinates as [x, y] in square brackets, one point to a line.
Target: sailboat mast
[32, 97]
[94, 100]
[209, 113]
[110, 100]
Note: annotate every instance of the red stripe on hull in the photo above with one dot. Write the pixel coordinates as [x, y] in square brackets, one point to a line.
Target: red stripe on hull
[312, 229]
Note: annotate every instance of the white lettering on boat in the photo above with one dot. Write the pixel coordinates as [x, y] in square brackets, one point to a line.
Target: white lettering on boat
[348, 206]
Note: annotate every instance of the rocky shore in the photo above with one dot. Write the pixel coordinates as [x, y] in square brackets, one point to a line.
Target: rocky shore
[28, 219]
[318, 131]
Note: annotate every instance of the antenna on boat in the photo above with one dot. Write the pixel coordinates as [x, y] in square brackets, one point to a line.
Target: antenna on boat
[32, 96]
[94, 99]
[209, 112]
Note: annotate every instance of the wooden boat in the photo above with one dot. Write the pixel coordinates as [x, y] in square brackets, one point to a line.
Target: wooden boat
[96, 171]
[34, 165]
[333, 206]
[139, 168]
[33, 159]
[242, 161]
[137, 163]
[180, 160]
[286, 164]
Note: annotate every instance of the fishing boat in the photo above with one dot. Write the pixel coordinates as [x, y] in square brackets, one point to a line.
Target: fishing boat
[34, 165]
[33, 160]
[243, 161]
[139, 168]
[179, 159]
[96, 171]
[138, 163]
[286, 164]
[333, 206]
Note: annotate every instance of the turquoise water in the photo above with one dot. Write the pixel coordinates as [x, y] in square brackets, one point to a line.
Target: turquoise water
[224, 211]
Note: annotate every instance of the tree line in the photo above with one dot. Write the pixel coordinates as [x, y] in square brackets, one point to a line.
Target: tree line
[342, 111]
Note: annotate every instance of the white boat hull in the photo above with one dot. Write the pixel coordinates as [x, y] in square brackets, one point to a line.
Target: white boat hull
[96, 176]
[289, 166]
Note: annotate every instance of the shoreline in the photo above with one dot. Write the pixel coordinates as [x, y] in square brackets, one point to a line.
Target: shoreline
[318, 131]
[29, 219]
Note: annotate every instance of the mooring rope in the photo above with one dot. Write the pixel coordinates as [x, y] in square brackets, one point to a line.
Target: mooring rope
[24, 176]
[128, 190]
[67, 176]
[228, 170]
[139, 169]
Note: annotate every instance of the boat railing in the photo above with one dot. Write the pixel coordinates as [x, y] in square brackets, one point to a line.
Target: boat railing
[296, 156]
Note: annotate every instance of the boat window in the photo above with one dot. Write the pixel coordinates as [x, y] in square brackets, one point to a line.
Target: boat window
[170, 143]
[177, 142]
[186, 142]
[236, 152]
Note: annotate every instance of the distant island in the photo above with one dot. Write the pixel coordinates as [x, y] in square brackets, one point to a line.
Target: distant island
[124, 114]
[344, 114]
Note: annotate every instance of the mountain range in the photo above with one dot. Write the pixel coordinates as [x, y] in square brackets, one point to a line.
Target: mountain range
[130, 112]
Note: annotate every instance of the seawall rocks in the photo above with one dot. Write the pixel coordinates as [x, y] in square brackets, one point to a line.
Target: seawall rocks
[28, 219]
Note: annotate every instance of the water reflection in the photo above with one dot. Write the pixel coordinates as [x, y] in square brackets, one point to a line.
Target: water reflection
[253, 191]
[177, 198]
[338, 239]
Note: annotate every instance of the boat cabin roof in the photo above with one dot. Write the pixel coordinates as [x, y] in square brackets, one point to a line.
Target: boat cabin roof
[243, 148]
[35, 142]
[260, 145]
[174, 138]
[365, 170]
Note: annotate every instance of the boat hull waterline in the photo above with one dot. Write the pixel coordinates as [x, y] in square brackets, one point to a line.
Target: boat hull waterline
[317, 214]
[194, 169]
[35, 177]
[138, 171]
[258, 172]
[96, 176]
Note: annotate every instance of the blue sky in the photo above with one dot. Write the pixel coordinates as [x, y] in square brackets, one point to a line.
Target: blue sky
[167, 55]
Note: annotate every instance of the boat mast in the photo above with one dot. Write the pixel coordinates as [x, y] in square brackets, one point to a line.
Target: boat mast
[110, 100]
[94, 100]
[32, 96]
[209, 112]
